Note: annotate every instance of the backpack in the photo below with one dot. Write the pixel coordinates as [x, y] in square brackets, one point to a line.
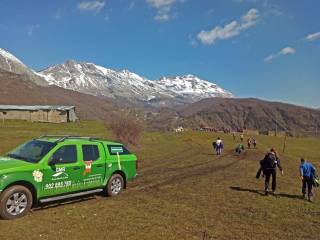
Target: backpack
[214, 144]
[269, 162]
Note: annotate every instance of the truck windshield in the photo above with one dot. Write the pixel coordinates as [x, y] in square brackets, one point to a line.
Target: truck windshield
[32, 151]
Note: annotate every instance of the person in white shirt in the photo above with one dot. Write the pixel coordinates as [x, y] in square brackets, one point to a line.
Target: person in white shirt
[219, 146]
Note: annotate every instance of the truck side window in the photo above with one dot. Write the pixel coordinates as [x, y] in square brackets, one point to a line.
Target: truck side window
[90, 152]
[113, 149]
[66, 154]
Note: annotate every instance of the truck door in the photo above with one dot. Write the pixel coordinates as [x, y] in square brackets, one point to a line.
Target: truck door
[94, 165]
[63, 172]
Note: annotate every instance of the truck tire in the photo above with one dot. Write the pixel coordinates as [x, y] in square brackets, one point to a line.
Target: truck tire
[15, 202]
[115, 185]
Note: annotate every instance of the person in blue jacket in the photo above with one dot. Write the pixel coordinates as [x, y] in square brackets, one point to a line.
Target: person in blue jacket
[307, 175]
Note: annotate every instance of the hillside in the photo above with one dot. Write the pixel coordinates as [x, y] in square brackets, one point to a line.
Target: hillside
[214, 112]
[10, 63]
[123, 86]
[235, 114]
[17, 89]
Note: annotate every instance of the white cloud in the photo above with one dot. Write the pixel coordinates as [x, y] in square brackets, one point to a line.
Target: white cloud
[192, 41]
[132, 4]
[161, 3]
[58, 14]
[287, 50]
[243, 1]
[164, 8]
[231, 29]
[31, 29]
[313, 36]
[282, 52]
[91, 6]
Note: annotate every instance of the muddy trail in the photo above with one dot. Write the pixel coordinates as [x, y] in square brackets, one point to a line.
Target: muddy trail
[193, 161]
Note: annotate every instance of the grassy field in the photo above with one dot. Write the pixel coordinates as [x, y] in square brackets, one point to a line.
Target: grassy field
[183, 191]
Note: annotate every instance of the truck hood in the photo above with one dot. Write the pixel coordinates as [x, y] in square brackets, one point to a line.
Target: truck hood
[7, 163]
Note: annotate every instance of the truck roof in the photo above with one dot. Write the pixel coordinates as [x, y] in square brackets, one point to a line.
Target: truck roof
[69, 138]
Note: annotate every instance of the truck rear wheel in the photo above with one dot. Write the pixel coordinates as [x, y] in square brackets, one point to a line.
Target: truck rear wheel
[15, 202]
[115, 185]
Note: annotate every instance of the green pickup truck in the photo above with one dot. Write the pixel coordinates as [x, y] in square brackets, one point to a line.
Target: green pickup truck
[52, 168]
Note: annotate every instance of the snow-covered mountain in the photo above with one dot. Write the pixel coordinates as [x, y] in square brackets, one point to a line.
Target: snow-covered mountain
[190, 86]
[10, 63]
[121, 85]
[97, 80]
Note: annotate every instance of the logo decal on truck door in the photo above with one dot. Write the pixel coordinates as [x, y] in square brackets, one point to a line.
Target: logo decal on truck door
[60, 174]
[87, 169]
[37, 175]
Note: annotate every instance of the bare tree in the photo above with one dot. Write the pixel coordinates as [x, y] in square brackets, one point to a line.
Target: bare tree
[126, 129]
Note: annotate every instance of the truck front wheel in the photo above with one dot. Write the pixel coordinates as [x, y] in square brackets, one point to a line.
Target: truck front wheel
[115, 185]
[15, 202]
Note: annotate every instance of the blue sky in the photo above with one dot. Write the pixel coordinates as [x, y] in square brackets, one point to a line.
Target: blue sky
[268, 49]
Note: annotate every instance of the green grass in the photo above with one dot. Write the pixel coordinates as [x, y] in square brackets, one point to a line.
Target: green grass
[183, 192]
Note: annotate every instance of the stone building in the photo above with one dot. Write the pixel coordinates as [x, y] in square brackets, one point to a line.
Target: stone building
[39, 113]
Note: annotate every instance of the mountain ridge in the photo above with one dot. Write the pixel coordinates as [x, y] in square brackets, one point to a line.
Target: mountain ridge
[11, 63]
[123, 85]
[98, 80]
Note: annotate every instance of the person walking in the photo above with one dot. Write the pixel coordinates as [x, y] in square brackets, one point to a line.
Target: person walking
[307, 175]
[219, 146]
[254, 141]
[269, 166]
[241, 137]
[239, 148]
[249, 142]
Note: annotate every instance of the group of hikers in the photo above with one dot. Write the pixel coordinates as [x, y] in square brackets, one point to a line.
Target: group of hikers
[218, 144]
[268, 169]
[270, 163]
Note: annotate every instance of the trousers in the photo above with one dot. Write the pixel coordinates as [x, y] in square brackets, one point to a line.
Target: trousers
[270, 173]
[307, 183]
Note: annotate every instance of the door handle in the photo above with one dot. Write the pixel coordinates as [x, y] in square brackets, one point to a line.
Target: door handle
[76, 168]
[99, 165]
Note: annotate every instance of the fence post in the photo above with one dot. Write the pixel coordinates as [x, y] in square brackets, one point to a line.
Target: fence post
[284, 143]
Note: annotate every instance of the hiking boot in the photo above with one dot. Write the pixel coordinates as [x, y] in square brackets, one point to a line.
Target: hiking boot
[310, 198]
[266, 193]
[303, 196]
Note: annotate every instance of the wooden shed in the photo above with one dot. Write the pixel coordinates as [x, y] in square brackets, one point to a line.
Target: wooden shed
[39, 113]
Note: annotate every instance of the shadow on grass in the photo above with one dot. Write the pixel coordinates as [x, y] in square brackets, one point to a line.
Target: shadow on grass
[292, 196]
[61, 203]
[280, 195]
[240, 189]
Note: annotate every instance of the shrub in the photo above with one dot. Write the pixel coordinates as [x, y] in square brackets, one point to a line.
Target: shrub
[126, 129]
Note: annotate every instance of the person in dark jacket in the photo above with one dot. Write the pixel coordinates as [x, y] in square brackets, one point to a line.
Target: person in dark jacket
[269, 166]
[307, 175]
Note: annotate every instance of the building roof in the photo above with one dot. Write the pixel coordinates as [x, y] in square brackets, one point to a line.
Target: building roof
[35, 107]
